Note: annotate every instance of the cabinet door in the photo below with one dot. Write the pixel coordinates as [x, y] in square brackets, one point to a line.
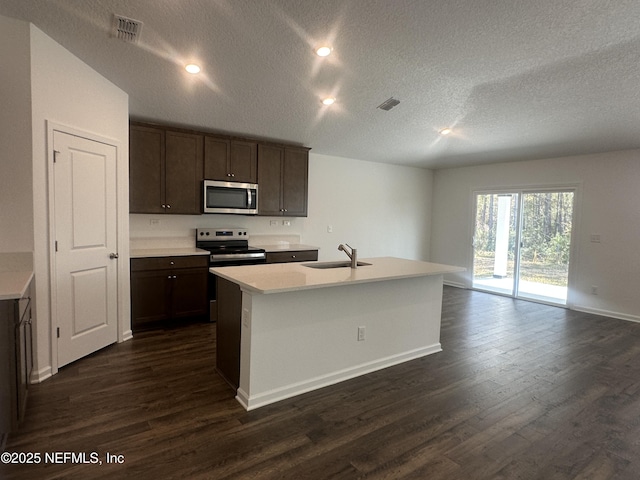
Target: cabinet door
[216, 158]
[294, 182]
[146, 170]
[189, 292]
[269, 180]
[243, 163]
[8, 368]
[150, 297]
[184, 170]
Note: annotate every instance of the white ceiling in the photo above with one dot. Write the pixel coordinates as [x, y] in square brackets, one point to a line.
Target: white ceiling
[517, 79]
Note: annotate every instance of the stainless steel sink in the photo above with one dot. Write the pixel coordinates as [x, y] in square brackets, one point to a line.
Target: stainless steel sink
[340, 264]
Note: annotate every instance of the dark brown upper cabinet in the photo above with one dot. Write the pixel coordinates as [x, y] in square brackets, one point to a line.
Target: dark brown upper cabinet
[230, 160]
[146, 170]
[168, 164]
[165, 170]
[282, 180]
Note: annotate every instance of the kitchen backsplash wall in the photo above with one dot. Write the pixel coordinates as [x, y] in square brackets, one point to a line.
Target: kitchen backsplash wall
[178, 226]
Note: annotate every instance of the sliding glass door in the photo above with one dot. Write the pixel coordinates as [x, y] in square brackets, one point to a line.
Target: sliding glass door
[494, 242]
[545, 241]
[522, 243]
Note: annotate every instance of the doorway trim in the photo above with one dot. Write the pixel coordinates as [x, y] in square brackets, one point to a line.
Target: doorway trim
[575, 187]
[122, 205]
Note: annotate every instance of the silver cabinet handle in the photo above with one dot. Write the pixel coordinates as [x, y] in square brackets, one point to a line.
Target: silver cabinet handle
[168, 206]
[114, 255]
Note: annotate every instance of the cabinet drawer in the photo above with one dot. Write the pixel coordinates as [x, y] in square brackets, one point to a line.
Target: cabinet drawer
[292, 256]
[164, 263]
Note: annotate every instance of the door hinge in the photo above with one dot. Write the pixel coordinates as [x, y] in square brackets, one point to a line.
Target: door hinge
[55, 156]
[56, 245]
[58, 332]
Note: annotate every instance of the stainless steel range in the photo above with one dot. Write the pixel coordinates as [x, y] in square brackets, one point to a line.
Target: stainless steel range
[227, 247]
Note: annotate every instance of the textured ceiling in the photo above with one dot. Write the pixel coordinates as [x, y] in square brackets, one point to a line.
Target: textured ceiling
[517, 79]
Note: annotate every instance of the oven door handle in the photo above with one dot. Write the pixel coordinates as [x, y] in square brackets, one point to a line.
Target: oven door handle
[230, 257]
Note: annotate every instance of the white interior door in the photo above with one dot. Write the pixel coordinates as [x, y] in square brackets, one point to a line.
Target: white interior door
[85, 229]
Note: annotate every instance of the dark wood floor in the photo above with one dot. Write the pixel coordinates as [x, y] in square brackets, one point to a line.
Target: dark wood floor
[521, 391]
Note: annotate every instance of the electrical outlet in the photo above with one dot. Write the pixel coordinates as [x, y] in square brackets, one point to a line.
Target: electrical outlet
[154, 221]
[361, 334]
[594, 289]
[286, 223]
[595, 238]
[273, 223]
[329, 228]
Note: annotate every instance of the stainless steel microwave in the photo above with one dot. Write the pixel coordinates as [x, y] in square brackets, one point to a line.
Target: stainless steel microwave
[230, 197]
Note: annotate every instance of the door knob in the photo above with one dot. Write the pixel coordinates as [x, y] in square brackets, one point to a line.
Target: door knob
[113, 255]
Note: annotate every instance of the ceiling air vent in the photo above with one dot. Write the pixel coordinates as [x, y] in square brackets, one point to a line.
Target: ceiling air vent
[126, 29]
[388, 104]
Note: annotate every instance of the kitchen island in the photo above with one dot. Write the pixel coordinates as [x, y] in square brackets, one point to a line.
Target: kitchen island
[303, 328]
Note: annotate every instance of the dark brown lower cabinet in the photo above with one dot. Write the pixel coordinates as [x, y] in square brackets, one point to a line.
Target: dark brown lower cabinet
[167, 288]
[16, 362]
[228, 330]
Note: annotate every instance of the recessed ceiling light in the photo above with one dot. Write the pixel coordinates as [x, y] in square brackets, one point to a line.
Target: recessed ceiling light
[328, 101]
[192, 68]
[323, 51]
[445, 131]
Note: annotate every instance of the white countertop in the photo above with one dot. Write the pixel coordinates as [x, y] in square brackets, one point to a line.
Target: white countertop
[286, 247]
[289, 277]
[13, 285]
[167, 252]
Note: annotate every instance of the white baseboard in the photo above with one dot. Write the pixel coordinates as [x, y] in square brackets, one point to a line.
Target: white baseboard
[455, 284]
[607, 313]
[128, 335]
[40, 375]
[288, 391]
[243, 399]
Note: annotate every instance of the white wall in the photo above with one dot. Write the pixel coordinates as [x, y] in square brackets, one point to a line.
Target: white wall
[382, 210]
[16, 190]
[608, 204]
[66, 91]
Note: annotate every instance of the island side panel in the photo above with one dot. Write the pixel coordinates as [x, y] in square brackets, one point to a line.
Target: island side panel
[294, 342]
[228, 331]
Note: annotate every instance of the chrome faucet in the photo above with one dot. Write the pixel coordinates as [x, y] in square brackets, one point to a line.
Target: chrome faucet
[353, 255]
